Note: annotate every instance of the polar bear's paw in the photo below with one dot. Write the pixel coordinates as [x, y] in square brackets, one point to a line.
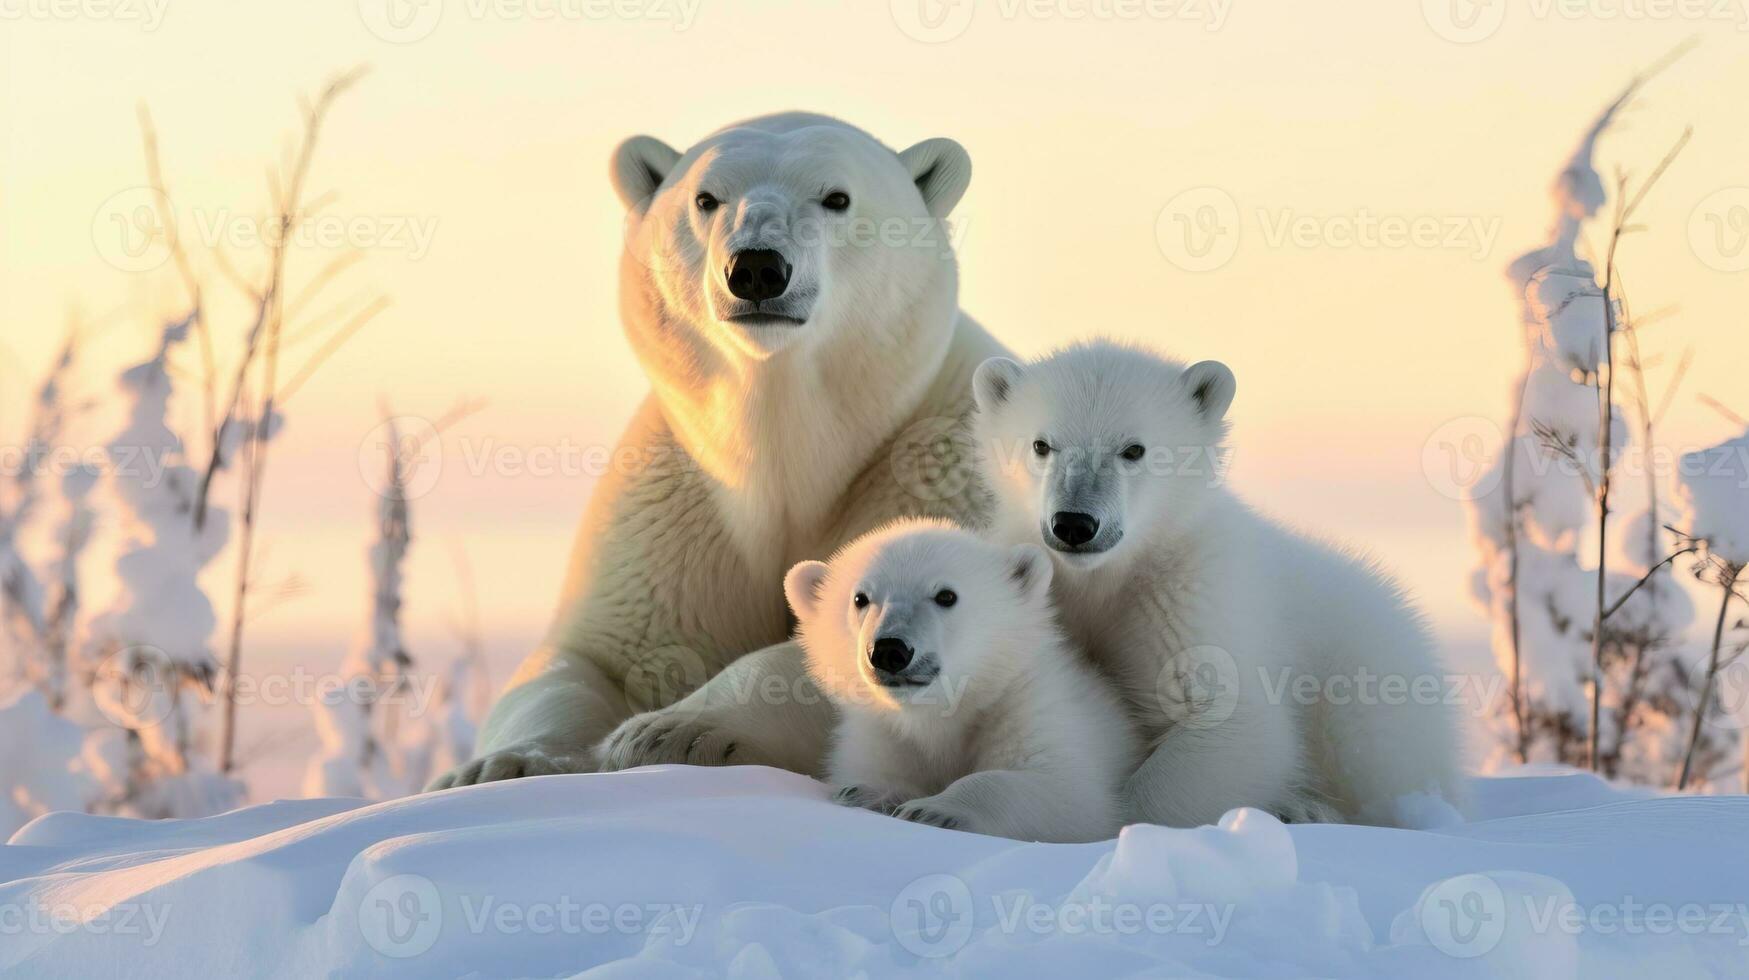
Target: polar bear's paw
[867, 798]
[514, 762]
[931, 812]
[675, 737]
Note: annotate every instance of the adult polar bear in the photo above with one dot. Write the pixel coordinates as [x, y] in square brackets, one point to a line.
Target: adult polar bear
[788, 288]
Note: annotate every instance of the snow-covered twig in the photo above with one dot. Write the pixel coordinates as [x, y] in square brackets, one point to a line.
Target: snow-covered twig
[264, 336]
[1728, 585]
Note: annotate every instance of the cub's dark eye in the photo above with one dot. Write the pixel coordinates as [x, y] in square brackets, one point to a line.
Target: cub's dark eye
[706, 202]
[859, 600]
[946, 598]
[1133, 453]
[836, 201]
[1041, 448]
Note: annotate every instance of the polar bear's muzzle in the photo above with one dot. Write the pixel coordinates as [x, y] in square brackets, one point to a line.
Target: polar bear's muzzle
[758, 282]
[757, 274]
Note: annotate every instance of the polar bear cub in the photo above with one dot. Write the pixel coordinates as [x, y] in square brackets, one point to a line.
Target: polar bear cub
[961, 705]
[1265, 669]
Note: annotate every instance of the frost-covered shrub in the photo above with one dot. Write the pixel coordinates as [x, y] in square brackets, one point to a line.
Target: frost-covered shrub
[1536, 535]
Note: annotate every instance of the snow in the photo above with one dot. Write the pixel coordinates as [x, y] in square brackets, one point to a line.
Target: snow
[40, 769]
[750, 872]
[1714, 490]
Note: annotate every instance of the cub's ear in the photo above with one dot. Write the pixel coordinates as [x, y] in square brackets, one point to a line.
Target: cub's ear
[941, 169]
[1212, 384]
[802, 586]
[640, 164]
[1030, 569]
[994, 381]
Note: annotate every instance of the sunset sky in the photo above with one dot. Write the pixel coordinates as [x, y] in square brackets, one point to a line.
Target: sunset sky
[470, 168]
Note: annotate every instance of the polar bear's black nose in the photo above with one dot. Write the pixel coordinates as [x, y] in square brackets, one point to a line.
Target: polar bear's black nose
[1073, 529]
[890, 654]
[758, 274]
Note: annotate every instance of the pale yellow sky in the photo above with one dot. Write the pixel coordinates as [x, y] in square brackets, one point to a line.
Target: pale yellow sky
[471, 172]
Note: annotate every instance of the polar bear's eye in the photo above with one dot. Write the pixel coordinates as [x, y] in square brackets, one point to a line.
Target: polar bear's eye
[1040, 447]
[859, 600]
[946, 598]
[836, 201]
[706, 202]
[1133, 453]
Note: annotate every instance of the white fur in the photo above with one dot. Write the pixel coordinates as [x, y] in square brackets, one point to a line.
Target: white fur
[1201, 608]
[1006, 731]
[758, 446]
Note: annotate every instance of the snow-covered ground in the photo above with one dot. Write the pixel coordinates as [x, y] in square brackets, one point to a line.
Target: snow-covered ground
[750, 872]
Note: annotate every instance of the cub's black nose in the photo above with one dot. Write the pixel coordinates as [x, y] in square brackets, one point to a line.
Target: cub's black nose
[890, 654]
[758, 274]
[1073, 529]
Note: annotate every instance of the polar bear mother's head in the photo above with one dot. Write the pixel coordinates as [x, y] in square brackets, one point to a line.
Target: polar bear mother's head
[785, 230]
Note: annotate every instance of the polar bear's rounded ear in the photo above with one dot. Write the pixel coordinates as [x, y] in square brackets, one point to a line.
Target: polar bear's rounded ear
[1030, 570]
[802, 586]
[1212, 385]
[942, 170]
[994, 381]
[640, 164]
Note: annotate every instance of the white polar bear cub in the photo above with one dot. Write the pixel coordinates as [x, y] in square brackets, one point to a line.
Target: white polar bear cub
[1264, 668]
[961, 705]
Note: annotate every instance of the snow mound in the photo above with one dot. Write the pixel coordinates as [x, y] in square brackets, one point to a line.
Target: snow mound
[1714, 488]
[750, 872]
